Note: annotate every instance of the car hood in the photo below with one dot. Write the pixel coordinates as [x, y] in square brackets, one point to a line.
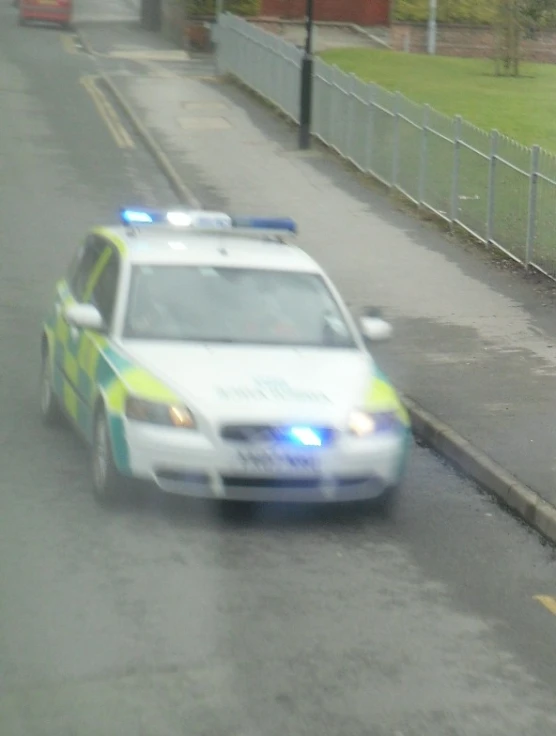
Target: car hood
[253, 382]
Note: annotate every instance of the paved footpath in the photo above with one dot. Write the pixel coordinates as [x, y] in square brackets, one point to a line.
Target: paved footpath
[86, 11]
[475, 339]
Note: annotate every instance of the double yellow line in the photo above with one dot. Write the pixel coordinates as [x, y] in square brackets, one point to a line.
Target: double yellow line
[107, 113]
[547, 601]
[68, 43]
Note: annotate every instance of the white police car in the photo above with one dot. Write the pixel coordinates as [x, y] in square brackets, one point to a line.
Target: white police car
[213, 357]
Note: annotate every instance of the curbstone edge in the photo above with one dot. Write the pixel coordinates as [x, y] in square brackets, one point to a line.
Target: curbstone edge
[184, 194]
[84, 41]
[531, 507]
[181, 190]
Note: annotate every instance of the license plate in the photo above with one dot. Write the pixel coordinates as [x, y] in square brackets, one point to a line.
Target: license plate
[278, 463]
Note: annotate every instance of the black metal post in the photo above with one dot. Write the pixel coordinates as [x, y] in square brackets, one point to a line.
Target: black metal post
[305, 103]
[151, 15]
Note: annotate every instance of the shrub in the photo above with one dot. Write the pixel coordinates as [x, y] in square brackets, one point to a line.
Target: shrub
[207, 8]
[535, 14]
[449, 11]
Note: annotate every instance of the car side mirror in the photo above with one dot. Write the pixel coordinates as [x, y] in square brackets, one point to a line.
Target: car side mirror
[374, 327]
[84, 316]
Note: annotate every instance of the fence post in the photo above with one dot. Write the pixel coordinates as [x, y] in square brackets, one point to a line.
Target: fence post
[336, 72]
[532, 211]
[491, 185]
[316, 100]
[396, 140]
[454, 206]
[330, 106]
[424, 156]
[351, 113]
[369, 143]
[241, 44]
[220, 52]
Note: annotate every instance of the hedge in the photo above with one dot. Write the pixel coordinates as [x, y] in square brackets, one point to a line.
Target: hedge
[534, 13]
[449, 11]
[207, 8]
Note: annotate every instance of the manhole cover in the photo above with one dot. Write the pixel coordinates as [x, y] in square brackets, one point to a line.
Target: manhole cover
[201, 123]
[150, 55]
[204, 106]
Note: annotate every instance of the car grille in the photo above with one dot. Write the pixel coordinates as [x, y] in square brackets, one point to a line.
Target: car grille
[235, 481]
[253, 433]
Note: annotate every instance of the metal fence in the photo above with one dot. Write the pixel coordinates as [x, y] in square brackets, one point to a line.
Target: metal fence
[498, 190]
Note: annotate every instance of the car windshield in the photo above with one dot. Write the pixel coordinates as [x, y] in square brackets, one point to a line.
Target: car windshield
[233, 305]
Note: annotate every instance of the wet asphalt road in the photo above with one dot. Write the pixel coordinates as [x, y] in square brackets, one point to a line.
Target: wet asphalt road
[159, 618]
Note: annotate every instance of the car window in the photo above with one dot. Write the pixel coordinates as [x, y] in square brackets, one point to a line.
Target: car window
[83, 266]
[236, 305]
[105, 289]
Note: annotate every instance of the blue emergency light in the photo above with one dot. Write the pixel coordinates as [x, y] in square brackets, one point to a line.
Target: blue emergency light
[130, 216]
[203, 219]
[266, 223]
[305, 436]
[136, 217]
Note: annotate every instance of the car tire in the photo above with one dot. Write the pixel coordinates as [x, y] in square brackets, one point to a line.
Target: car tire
[107, 481]
[236, 511]
[51, 413]
[386, 505]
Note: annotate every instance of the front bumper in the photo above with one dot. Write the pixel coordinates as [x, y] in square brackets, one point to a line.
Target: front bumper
[188, 464]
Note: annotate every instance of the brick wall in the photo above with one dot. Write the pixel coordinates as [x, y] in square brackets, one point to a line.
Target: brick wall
[468, 41]
[360, 12]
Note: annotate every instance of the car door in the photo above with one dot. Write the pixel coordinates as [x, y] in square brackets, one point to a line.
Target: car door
[101, 290]
[77, 288]
[69, 291]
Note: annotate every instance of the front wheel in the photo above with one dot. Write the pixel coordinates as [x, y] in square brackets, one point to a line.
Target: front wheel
[49, 406]
[386, 505]
[236, 511]
[107, 481]
[388, 502]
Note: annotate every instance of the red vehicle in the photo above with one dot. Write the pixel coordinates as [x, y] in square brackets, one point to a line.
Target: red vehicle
[51, 11]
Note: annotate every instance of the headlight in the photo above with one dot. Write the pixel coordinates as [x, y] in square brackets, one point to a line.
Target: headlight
[152, 412]
[363, 423]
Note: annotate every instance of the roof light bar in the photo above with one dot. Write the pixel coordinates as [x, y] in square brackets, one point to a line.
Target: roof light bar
[266, 223]
[133, 217]
[203, 220]
[176, 218]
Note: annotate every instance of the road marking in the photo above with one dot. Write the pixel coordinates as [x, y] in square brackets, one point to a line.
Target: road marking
[68, 43]
[107, 113]
[547, 601]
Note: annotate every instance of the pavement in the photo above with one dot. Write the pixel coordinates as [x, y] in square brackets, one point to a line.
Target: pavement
[103, 11]
[161, 618]
[475, 351]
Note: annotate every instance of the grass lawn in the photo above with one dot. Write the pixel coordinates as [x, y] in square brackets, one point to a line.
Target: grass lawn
[523, 108]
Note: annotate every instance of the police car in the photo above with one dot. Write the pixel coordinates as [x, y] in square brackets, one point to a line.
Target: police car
[210, 355]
